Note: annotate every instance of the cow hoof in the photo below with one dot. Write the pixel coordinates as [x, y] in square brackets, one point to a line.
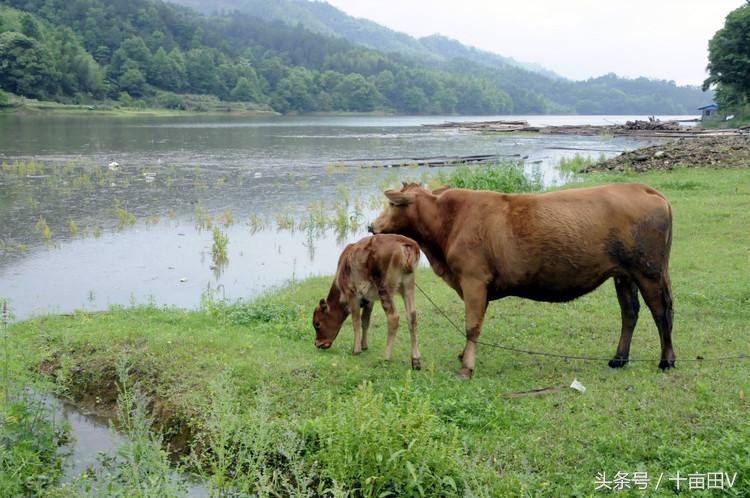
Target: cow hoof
[416, 364]
[618, 362]
[464, 374]
[666, 365]
[365, 347]
[356, 353]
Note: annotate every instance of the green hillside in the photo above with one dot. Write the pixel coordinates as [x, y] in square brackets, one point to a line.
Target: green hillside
[159, 54]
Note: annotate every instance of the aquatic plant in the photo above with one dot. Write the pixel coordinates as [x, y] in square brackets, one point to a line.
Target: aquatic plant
[124, 217]
[284, 221]
[72, 228]
[227, 218]
[203, 221]
[43, 229]
[256, 223]
[219, 247]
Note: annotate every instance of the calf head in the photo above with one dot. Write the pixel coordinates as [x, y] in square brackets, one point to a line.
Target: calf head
[327, 321]
[400, 216]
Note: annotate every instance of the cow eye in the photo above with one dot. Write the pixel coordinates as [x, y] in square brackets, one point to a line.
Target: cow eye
[392, 204]
[316, 325]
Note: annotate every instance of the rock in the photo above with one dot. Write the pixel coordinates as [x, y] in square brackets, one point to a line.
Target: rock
[659, 153]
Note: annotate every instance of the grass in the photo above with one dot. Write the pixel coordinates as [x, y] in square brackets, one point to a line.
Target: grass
[578, 163]
[219, 247]
[500, 177]
[267, 412]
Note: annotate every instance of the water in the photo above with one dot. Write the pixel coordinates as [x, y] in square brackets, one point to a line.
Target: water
[169, 171]
[92, 436]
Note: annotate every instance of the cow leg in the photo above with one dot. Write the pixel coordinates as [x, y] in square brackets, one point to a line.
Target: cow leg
[391, 314]
[366, 312]
[475, 306]
[357, 324]
[627, 295]
[657, 293]
[411, 320]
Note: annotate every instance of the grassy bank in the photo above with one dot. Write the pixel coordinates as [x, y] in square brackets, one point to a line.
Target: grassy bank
[190, 105]
[264, 410]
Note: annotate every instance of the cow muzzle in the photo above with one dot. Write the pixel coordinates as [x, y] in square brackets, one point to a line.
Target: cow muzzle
[370, 228]
[322, 345]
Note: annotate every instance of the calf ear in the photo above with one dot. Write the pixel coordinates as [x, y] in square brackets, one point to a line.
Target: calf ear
[440, 190]
[399, 198]
[323, 305]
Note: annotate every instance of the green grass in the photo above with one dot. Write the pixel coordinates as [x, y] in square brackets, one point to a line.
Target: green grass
[266, 411]
[500, 177]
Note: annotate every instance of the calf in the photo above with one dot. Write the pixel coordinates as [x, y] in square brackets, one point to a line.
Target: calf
[374, 268]
[550, 247]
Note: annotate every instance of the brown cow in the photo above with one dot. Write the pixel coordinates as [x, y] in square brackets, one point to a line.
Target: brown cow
[551, 247]
[376, 267]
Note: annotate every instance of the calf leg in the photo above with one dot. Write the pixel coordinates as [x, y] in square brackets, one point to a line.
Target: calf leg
[366, 312]
[475, 306]
[411, 320]
[391, 314]
[657, 293]
[627, 295]
[357, 324]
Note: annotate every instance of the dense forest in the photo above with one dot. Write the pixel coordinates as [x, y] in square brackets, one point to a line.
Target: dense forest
[143, 51]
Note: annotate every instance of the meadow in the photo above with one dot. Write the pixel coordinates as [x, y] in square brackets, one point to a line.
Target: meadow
[243, 401]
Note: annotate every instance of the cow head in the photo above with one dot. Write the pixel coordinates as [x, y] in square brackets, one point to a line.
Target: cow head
[400, 216]
[327, 321]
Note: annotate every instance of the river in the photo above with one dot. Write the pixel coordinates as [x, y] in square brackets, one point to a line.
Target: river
[100, 210]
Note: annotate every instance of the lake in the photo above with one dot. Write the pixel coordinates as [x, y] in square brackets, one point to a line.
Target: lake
[100, 210]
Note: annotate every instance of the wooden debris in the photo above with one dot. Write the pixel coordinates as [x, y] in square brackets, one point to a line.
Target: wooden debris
[431, 162]
[638, 128]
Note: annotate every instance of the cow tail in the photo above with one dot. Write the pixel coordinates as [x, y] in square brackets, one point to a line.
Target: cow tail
[411, 257]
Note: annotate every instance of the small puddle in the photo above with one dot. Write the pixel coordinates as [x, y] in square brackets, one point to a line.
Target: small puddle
[90, 436]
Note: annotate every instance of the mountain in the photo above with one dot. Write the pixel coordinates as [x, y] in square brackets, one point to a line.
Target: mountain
[148, 52]
[326, 19]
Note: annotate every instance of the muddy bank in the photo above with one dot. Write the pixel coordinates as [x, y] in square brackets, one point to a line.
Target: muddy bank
[714, 152]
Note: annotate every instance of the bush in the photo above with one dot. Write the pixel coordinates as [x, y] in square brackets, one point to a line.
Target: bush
[377, 448]
[501, 177]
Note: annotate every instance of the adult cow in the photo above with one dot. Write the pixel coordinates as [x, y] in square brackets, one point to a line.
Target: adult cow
[550, 247]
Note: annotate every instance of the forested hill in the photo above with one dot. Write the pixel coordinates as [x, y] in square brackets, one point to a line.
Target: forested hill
[157, 53]
[326, 19]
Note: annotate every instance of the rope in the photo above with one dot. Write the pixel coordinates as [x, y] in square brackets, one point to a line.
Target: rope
[557, 355]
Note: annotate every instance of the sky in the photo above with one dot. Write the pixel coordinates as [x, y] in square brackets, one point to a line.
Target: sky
[578, 39]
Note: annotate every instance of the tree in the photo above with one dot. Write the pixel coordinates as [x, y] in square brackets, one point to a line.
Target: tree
[355, 93]
[245, 91]
[25, 65]
[729, 59]
[166, 70]
[3, 98]
[132, 80]
[29, 27]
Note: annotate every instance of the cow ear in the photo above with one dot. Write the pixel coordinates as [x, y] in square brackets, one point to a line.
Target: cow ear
[399, 198]
[323, 305]
[440, 190]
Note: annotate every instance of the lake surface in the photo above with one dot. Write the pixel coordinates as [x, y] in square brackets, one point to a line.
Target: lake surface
[103, 210]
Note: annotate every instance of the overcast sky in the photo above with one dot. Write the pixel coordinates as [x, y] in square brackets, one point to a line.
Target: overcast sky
[666, 39]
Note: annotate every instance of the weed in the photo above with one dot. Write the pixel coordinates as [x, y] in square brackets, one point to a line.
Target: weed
[72, 228]
[256, 223]
[578, 163]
